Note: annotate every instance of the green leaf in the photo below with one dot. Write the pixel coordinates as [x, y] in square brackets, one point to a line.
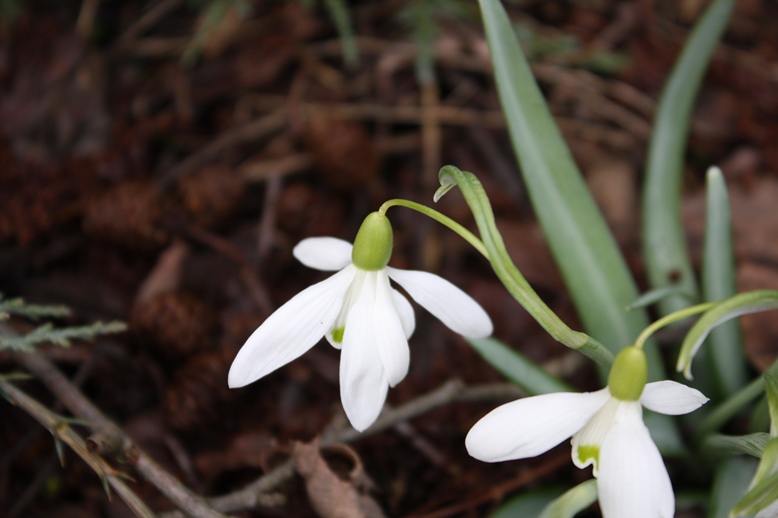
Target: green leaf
[752, 444]
[584, 249]
[762, 495]
[730, 483]
[771, 389]
[583, 246]
[573, 501]
[725, 355]
[664, 246]
[518, 368]
[732, 406]
[656, 295]
[738, 305]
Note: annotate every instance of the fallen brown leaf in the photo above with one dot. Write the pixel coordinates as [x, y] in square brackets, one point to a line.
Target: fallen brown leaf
[330, 495]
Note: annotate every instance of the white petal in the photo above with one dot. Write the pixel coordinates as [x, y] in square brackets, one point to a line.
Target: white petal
[363, 385]
[294, 328]
[323, 253]
[633, 480]
[405, 312]
[671, 398]
[448, 303]
[530, 426]
[389, 334]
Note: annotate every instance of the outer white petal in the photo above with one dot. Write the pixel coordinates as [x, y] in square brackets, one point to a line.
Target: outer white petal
[633, 480]
[671, 398]
[530, 426]
[323, 253]
[294, 328]
[389, 334]
[405, 312]
[451, 305]
[363, 384]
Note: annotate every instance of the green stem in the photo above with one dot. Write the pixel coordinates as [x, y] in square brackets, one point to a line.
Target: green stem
[669, 319]
[509, 274]
[729, 408]
[440, 218]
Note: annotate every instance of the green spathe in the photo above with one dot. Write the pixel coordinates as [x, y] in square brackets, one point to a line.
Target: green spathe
[628, 374]
[373, 244]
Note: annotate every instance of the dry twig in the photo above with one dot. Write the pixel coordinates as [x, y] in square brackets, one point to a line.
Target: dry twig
[60, 429]
[83, 408]
[452, 391]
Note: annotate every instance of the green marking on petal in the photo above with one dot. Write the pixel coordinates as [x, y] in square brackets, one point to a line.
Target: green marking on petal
[587, 453]
[373, 244]
[337, 334]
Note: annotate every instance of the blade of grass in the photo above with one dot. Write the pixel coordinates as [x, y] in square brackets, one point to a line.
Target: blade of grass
[664, 246]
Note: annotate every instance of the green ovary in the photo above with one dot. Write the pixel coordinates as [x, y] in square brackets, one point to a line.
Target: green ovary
[373, 244]
[337, 334]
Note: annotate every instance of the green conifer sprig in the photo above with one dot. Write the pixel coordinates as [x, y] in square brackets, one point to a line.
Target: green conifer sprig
[47, 333]
[18, 307]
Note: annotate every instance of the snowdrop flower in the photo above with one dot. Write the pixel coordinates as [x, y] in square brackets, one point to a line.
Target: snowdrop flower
[357, 310]
[607, 432]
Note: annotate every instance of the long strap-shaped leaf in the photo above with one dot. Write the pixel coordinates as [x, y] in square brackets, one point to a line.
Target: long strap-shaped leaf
[725, 356]
[584, 248]
[664, 246]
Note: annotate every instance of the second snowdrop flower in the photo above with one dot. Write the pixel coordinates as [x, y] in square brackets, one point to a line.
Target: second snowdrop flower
[358, 311]
[607, 432]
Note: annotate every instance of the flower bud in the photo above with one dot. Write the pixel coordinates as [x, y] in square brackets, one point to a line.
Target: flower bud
[373, 244]
[628, 374]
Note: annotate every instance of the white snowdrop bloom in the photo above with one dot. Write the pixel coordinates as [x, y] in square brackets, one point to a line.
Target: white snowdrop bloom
[607, 432]
[358, 311]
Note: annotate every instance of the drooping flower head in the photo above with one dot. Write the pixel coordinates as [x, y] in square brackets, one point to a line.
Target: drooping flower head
[607, 432]
[358, 311]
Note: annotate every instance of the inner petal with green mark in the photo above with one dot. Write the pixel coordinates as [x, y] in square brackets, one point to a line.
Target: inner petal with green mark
[337, 334]
[589, 454]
